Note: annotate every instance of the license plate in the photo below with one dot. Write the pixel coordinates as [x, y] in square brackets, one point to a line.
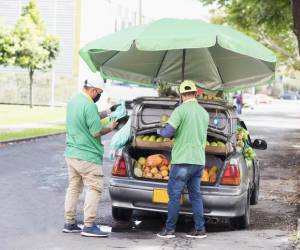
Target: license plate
[161, 196]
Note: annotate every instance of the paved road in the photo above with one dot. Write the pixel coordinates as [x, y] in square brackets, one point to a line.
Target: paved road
[33, 182]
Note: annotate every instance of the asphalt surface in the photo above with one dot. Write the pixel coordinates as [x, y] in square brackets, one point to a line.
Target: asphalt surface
[33, 182]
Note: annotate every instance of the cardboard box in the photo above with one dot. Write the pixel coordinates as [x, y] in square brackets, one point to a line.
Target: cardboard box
[154, 144]
[169, 144]
[219, 150]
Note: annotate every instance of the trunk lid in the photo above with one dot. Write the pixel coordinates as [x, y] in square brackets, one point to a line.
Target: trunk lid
[148, 110]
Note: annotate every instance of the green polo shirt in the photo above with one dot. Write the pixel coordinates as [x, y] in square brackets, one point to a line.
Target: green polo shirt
[82, 123]
[191, 122]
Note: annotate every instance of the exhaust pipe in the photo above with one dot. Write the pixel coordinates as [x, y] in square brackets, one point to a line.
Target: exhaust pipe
[212, 220]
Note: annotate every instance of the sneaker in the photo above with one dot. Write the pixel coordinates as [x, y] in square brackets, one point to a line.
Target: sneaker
[199, 234]
[71, 228]
[166, 234]
[93, 231]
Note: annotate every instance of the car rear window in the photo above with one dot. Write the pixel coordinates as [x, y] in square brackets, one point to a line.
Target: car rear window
[151, 115]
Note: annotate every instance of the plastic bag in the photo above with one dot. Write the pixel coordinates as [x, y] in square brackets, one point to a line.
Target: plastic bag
[119, 113]
[119, 139]
[116, 115]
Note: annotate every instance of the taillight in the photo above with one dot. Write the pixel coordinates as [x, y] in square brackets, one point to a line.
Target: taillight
[231, 175]
[119, 167]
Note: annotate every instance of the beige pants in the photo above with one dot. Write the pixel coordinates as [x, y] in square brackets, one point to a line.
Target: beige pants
[89, 175]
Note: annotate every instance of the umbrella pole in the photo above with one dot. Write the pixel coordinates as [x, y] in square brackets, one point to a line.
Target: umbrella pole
[183, 65]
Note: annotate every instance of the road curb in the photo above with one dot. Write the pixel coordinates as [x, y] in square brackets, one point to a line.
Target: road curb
[29, 138]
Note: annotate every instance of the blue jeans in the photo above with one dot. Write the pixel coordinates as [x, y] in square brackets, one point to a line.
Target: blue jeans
[239, 108]
[182, 175]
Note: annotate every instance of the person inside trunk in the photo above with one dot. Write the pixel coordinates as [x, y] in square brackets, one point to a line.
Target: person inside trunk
[188, 124]
[84, 155]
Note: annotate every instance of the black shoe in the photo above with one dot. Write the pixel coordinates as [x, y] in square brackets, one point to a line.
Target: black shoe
[197, 234]
[71, 228]
[166, 234]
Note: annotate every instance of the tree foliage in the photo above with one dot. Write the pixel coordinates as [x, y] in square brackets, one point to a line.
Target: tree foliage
[269, 21]
[7, 46]
[35, 49]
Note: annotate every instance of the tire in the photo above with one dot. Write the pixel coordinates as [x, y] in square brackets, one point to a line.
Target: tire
[255, 193]
[122, 214]
[243, 221]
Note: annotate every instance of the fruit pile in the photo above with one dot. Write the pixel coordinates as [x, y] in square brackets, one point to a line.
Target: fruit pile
[154, 138]
[249, 153]
[154, 166]
[210, 174]
[211, 97]
[241, 144]
[215, 144]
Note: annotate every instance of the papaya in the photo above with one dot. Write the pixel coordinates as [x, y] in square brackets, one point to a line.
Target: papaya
[148, 175]
[205, 176]
[137, 165]
[213, 178]
[164, 168]
[164, 173]
[154, 160]
[164, 162]
[158, 176]
[154, 170]
[142, 160]
[138, 172]
[213, 170]
[147, 170]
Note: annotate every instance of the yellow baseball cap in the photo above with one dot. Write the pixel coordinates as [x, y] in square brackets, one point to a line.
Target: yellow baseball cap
[187, 86]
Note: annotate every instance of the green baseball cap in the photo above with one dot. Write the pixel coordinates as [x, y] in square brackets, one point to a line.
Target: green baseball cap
[187, 86]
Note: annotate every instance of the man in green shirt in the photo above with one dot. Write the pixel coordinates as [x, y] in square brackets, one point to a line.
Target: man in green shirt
[84, 155]
[188, 124]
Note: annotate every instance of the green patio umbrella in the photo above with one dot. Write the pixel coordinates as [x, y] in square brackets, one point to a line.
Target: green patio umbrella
[172, 50]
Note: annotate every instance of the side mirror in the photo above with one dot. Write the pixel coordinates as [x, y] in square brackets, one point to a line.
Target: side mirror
[259, 144]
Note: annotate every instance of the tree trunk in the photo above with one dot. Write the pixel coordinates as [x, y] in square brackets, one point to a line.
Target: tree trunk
[296, 16]
[31, 71]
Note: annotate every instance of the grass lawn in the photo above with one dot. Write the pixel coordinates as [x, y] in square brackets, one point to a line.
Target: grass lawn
[16, 115]
[30, 133]
[19, 114]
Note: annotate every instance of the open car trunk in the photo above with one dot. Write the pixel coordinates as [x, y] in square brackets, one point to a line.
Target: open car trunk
[159, 173]
[221, 136]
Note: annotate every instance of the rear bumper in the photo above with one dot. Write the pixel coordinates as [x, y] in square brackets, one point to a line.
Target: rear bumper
[215, 205]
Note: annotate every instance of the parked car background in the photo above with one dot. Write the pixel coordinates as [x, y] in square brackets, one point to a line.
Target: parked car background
[249, 100]
[290, 95]
[263, 99]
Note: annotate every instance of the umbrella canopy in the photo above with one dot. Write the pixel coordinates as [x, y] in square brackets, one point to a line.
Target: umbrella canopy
[172, 50]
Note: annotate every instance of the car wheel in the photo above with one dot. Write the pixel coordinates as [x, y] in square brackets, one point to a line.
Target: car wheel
[243, 221]
[121, 213]
[255, 193]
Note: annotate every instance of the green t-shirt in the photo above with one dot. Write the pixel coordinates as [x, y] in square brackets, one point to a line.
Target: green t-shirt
[82, 123]
[191, 122]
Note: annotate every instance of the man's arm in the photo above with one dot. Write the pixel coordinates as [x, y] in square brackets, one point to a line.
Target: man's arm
[168, 131]
[105, 131]
[104, 113]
